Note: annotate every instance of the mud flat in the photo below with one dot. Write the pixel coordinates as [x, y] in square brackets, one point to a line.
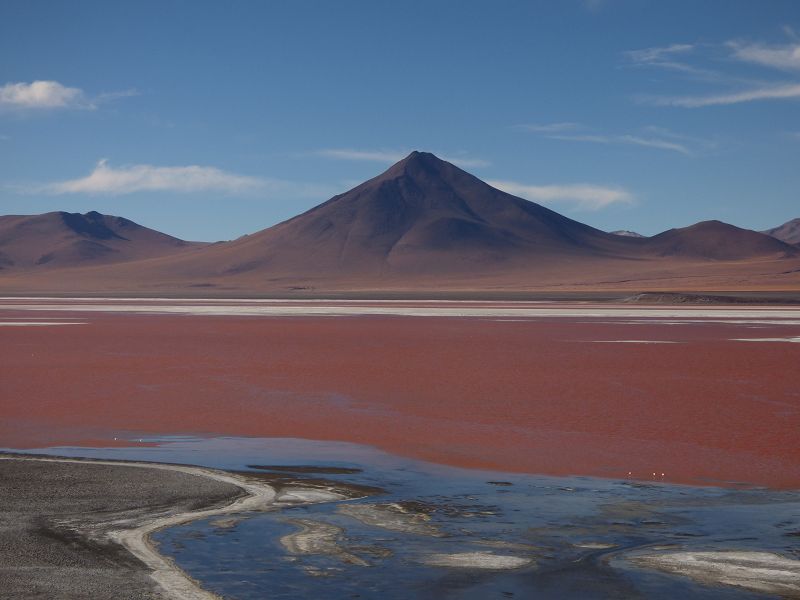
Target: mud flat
[80, 529]
[765, 572]
[392, 516]
[318, 537]
[477, 560]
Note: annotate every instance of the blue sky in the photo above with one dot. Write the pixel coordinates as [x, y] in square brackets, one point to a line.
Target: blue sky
[208, 120]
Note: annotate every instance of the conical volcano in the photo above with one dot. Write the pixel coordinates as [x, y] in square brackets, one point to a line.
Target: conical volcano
[422, 215]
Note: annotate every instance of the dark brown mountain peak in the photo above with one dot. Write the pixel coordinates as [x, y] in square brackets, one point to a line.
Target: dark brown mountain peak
[423, 180]
[418, 163]
[91, 225]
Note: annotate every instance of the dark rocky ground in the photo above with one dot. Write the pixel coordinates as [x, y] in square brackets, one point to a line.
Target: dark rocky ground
[53, 516]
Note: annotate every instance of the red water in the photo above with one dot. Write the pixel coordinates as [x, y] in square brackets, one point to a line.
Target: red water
[533, 396]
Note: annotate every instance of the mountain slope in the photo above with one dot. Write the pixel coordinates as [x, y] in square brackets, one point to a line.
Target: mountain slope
[789, 232]
[62, 240]
[423, 215]
[718, 241]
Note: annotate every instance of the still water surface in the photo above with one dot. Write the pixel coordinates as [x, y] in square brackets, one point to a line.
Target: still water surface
[575, 533]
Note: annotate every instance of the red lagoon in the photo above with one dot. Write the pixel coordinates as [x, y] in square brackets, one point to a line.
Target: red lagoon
[548, 396]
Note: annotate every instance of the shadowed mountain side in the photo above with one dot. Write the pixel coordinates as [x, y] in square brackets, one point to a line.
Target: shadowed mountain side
[63, 240]
[422, 216]
[789, 232]
[714, 240]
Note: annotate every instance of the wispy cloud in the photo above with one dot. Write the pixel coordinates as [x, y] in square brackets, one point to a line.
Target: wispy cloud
[392, 156]
[549, 127]
[778, 57]
[52, 95]
[381, 156]
[774, 92]
[629, 140]
[594, 5]
[658, 54]
[669, 58]
[105, 179]
[649, 137]
[736, 88]
[582, 196]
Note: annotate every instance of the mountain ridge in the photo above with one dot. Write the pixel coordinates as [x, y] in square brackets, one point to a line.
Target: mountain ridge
[788, 232]
[63, 239]
[422, 223]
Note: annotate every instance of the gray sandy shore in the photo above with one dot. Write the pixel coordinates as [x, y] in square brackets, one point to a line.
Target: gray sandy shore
[59, 522]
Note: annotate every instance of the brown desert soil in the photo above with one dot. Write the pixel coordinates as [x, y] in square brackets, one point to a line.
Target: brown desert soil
[532, 396]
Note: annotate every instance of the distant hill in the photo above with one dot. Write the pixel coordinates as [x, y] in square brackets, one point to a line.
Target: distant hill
[789, 232]
[715, 240]
[423, 224]
[62, 240]
[627, 233]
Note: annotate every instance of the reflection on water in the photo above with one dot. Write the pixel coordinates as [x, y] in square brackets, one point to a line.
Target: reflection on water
[440, 532]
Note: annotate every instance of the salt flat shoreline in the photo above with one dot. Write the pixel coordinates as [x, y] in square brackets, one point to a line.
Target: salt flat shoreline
[742, 315]
[755, 295]
[122, 524]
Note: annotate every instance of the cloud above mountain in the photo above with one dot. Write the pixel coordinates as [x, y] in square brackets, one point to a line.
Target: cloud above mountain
[581, 196]
[659, 138]
[728, 66]
[129, 179]
[52, 95]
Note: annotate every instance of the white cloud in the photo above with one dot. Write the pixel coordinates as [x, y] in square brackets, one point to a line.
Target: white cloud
[381, 156]
[594, 5]
[41, 94]
[105, 179]
[582, 196]
[630, 140]
[771, 92]
[654, 143]
[549, 127]
[739, 88]
[52, 95]
[651, 137]
[668, 57]
[657, 54]
[778, 57]
[390, 157]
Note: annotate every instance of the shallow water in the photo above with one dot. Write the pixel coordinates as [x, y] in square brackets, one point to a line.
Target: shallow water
[575, 531]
